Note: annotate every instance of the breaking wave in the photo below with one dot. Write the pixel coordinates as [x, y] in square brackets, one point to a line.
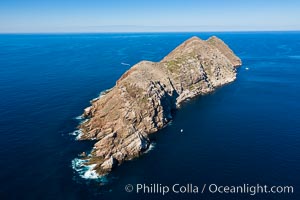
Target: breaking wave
[78, 133]
[151, 147]
[85, 171]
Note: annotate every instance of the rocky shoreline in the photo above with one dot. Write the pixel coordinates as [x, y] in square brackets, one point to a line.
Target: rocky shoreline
[143, 99]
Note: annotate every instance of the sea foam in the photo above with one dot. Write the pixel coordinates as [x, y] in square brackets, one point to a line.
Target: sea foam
[151, 147]
[79, 118]
[78, 133]
[84, 171]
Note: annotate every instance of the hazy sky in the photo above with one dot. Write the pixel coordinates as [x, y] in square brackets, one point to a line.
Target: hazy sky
[147, 15]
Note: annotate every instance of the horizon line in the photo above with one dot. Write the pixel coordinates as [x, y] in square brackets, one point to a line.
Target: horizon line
[114, 32]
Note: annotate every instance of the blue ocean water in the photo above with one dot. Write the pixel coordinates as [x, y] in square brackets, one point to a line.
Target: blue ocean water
[245, 132]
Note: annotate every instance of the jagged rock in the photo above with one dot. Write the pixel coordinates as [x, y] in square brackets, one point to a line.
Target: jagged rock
[87, 112]
[143, 99]
[83, 154]
[109, 164]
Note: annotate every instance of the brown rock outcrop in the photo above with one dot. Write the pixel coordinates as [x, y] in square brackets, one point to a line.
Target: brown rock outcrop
[142, 100]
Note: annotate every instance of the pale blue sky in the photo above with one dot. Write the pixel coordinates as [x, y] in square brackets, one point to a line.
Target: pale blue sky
[147, 15]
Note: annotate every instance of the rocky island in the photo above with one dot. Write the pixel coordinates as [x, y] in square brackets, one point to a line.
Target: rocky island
[144, 98]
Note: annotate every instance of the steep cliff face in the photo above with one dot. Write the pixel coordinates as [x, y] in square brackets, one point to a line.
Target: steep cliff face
[142, 100]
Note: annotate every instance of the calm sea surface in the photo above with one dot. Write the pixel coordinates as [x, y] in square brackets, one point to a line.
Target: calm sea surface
[245, 132]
